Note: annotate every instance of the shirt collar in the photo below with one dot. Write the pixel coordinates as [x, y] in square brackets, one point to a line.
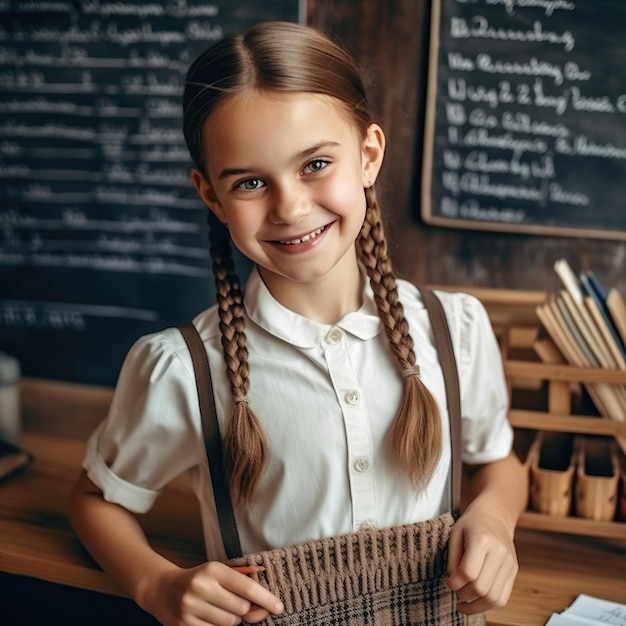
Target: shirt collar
[300, 331]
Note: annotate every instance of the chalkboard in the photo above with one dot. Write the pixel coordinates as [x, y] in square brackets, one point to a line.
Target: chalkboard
[102, 237]
[525, 124]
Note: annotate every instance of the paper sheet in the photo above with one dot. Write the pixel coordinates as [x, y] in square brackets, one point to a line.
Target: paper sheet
[591, 611]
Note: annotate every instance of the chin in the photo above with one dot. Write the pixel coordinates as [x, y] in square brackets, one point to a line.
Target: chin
[300, 277]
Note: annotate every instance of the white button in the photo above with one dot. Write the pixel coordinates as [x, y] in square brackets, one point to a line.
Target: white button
[334, 336]
[362, 464]
[353, 397]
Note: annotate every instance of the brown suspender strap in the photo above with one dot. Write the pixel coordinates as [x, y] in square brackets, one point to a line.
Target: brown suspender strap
[443, 343]
[212, 440]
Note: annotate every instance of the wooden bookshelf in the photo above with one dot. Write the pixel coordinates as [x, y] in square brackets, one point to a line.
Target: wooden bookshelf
[544, 398]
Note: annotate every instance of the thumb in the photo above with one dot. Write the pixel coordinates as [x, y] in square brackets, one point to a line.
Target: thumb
[455, 549]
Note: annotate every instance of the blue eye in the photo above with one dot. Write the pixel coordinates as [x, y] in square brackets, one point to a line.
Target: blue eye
[252, 184]
[317, 165]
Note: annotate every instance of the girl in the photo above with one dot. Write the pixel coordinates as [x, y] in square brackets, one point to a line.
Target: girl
[330, 423]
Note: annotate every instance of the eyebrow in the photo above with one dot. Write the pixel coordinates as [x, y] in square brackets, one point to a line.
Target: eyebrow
[238, 171]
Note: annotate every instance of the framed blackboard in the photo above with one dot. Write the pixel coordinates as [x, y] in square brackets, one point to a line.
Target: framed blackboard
[525, 124]
[102, 238]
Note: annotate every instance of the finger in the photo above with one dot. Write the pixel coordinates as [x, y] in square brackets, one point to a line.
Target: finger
[256, 614]
[468, 565]
[252, 591]
[495, 596]
[217, 596]
[480, 582]
[210, 613]
[480, 605]
[472, 608]
[455, 549]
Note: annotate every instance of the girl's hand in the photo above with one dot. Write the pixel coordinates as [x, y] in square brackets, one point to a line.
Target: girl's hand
[209, 594]
[482, 562]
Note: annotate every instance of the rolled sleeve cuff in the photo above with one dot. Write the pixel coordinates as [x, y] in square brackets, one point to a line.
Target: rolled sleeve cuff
[496, 449]
[132, 497]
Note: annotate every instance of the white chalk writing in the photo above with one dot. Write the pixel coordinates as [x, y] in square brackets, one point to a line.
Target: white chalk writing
[512, 123]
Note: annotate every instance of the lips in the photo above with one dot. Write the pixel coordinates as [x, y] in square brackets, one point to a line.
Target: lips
[304, 238]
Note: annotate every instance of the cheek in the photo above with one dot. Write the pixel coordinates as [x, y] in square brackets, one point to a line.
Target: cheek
[345, 195]
[243, 226]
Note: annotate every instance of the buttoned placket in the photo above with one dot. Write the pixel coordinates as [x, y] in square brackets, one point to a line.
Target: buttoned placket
[357, 429]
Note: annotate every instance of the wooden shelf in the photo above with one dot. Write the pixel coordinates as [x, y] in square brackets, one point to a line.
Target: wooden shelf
[573, 525]
[579, 424]
[536, 370]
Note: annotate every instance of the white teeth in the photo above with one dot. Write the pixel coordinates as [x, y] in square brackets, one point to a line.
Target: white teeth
[293, 242]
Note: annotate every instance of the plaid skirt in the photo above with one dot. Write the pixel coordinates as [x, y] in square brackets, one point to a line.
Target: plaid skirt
[379, 577]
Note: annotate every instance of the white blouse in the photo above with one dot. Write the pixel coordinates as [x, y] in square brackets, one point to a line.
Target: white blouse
[326, 395]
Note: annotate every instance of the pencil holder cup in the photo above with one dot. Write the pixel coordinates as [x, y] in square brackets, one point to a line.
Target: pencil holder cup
[597, 479]
[552, 473]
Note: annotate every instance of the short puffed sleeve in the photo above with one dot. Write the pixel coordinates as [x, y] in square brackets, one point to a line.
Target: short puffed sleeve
[150, 435]
[486, 430]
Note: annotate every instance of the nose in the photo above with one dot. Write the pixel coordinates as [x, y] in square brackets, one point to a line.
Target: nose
[290, 203]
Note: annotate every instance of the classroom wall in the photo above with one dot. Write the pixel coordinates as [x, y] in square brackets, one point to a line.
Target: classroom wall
[78, 287]
[385, 37]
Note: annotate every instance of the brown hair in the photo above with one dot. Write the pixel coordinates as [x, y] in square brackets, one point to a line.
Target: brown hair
[286, 57]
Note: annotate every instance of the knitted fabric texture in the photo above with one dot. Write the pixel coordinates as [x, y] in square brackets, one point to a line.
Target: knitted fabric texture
[379, 577]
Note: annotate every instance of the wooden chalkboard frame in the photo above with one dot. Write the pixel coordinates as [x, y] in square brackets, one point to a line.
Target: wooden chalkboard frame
[431, 150]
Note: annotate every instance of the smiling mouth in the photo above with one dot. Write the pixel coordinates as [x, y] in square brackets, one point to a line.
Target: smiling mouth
[311, 235]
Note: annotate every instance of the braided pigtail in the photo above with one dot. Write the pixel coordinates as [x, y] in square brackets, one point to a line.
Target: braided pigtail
[245, 442]
[415, 436]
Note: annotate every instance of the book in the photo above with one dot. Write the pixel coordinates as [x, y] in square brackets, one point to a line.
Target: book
[596, 301]
[614, 345]
[569, 280]
[545, 313]
[585, 323]
[595, 347]
[550, 318]
[616, 304]
[592, 280]
[591, 350]
[556, 317]
[12, 459]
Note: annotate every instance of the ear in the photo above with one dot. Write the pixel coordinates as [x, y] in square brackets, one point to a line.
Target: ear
[372, 153]
[207, 194]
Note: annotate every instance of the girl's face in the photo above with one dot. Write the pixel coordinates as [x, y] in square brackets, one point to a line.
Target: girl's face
[286, 173]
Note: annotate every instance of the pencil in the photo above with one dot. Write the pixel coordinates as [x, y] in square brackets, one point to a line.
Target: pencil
[248, 569]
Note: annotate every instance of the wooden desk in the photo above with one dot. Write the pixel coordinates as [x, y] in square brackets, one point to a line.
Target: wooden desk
[36, 538]
[37, 541]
